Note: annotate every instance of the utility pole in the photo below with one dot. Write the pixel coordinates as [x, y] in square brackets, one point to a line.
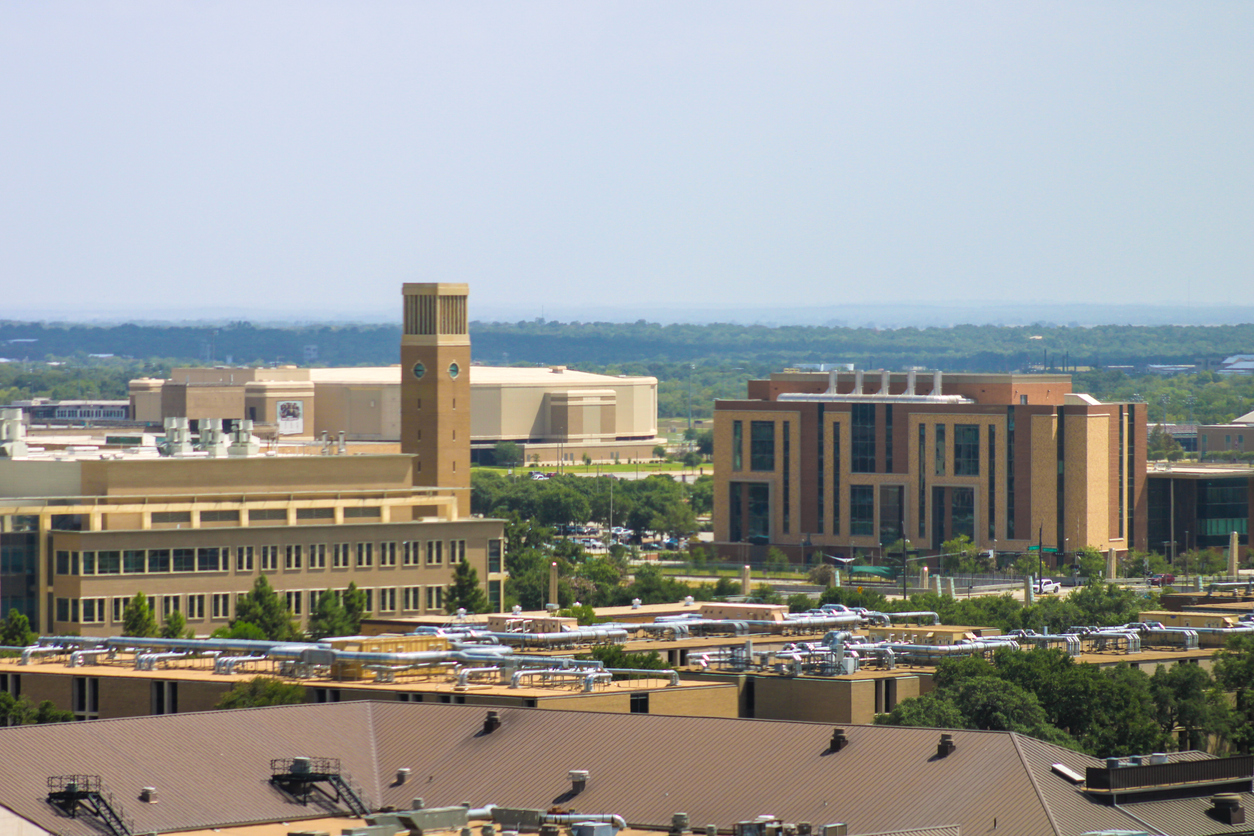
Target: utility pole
[1040, 552]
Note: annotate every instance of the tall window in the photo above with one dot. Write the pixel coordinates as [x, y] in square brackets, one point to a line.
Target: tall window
[1010, 473]
[759, 510]
[888, 438]
[761, 445]
[736, 517]
[940, 449]
[863, 438]
[738, 445]
[819, 499]
[963, 505]
[836, 478]
[494, 555]
[992, 482]
[921, 454]
[967, 450]
[862, 510]
[787, 476]
[892, 500]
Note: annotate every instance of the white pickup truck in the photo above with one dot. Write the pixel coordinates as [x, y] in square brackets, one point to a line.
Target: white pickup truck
[1045, 586]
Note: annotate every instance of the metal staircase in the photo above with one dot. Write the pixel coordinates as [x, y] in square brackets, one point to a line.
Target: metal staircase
[74, 793]
[304, 778]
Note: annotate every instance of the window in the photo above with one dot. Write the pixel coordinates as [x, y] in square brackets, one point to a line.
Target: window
[219, 516]
[836, 478]
[171, 517]
[862, 438]
[221, 605]
[195, 607]
[291, 557]
[738, 444]
[412, 598]
[387, 599]
[435, 552]
[494, 556]
[411, 554]
[365, 554]
[269, 558]
[387, 554]
[966, 450]
[759, 510]
[962, 505]
[93, 610]
[369, 607]
[640, 703]
[892, 508]
[63, 609]
[888, 438]
[165, 697]
[992, 486]
[89, 563]
[244, 558]
[357, 513]
[435, 598]
[762, 445]
[315, 513]
[158, 560]
[183, 560]
[456, 552]
[939, 468]
[787, 476]
[314, 597]
[862, 510]
[64, 563]
[339, 556]
[86, 697]
[133, 562]
[294, 600]
[170, 604]
[267, 515]
[735, 505]
[494, 596]
[318, 556]
[119, 609]
[209, 560]
[326, 694]
[108, 563]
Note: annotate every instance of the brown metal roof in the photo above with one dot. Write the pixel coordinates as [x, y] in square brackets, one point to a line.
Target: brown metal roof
[212, 768]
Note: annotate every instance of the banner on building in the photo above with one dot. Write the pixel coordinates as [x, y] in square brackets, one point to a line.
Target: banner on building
[291, 417]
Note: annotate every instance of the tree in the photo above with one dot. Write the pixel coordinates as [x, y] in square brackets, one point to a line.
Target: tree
[1234, 670]
[659, 452]
[20, 711]
[263, 607]
[175, 627]
[329, 618]
[676, 519]
[507, 454]
[262, 691]
[465, 591]
[1092, 562]
[961, 555]
[705, 442]
[354, 607]
[138, 619]
[613, 656]
[1188, 702]
[17, 631]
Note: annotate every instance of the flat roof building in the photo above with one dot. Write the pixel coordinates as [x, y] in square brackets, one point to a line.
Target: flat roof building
[841, 463]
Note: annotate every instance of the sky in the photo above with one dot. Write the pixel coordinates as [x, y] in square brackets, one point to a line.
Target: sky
[304, 159]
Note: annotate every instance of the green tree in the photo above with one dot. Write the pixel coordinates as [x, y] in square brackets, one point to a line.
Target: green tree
[20, 711]
[507, 454]
[613, 656]
[138, 619]
[354, 607]
[175, 627]
[1234, 670]
[659, 452]
[1092, 562]
[329, 618]
[677, 520]
[962, 555]
[17, 631]
[263, 607]
[705, 442]
[465, 591]
[262, 691]
[1189, 704]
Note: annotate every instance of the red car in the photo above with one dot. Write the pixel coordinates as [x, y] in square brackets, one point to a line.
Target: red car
[1162, 580]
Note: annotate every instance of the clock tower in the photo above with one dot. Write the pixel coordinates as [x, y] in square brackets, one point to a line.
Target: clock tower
[435, 387]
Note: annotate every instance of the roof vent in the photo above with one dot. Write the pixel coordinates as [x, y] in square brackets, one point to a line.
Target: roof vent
[402, 774]
[839, 739]
[148, 795]
[578, 780]
[945, 746]
[1226, 807]
[635, 603]
[557, 369]
[492, 722]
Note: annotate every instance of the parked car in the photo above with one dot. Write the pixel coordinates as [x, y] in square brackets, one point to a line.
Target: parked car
[1162, 579]
[1046, 586]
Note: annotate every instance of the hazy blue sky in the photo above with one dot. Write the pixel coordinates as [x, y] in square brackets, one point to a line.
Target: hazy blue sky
[309, 157]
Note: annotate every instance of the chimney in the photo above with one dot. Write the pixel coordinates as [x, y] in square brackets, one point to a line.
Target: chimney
[839, 739]
[945, 746]
[910, 376]
[857, 382]
[1226, 807]
[884, 375]
[492, 722]
[578, 780]
[936, 382]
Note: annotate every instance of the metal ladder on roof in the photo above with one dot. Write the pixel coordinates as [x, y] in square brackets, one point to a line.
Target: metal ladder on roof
[70, 793]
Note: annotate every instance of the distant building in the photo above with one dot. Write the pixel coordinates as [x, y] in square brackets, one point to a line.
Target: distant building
[1236, 364]
[836, 463]
[46, 410]
[553, 413]
[1235, 436]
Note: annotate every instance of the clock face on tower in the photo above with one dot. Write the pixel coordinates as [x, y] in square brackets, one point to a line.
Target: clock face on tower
[453, 370]
[419, 370]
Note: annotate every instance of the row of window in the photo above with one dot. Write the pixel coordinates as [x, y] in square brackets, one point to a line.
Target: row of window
[269, 558]
[218, 606]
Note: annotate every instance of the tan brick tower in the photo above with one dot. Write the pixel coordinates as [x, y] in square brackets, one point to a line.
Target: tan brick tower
[435, 386]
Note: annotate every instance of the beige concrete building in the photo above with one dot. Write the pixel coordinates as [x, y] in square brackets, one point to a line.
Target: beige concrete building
[842, 465]
[82, 532]
[554, 413]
